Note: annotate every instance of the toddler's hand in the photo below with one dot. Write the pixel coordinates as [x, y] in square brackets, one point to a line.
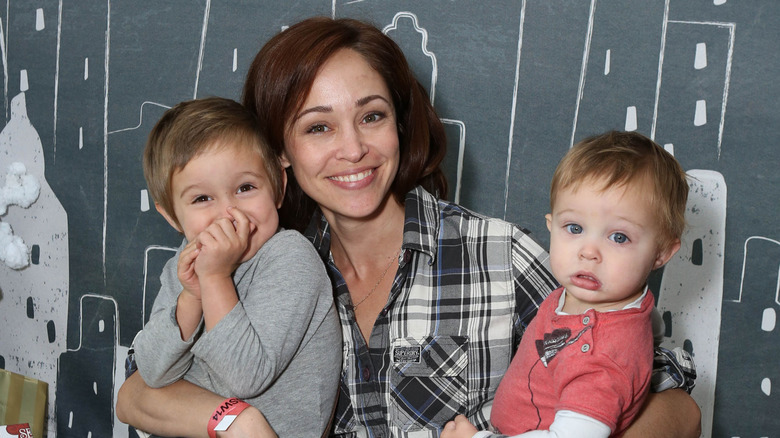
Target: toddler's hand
[185, 270]
[458, 428]
[223, 244]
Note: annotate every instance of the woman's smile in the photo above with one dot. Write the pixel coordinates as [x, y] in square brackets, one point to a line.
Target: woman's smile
[353, 177]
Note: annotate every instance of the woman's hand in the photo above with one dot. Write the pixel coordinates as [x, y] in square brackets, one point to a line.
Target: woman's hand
[460, 427]
[669, 413]
[250, 423]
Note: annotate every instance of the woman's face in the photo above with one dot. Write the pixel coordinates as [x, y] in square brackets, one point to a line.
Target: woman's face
[343, 144]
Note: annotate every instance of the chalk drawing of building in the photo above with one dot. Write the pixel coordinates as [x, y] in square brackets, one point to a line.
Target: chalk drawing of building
[413, 40]
[34, 300]
[691, 292]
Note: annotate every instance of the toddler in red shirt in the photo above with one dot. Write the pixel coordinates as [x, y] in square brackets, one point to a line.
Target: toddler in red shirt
[584, 364]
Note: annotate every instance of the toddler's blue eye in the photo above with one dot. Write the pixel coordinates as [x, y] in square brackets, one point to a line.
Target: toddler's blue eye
[574, 228]
[619, 238]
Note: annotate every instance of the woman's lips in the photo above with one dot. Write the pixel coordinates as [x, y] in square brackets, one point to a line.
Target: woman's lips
[353, 177]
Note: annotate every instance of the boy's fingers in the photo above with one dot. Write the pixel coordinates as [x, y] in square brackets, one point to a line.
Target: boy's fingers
[220, 229]
[241, 222]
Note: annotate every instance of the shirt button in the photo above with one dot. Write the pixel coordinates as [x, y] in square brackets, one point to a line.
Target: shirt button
[366, 374]
[585, 320]
[585, 348]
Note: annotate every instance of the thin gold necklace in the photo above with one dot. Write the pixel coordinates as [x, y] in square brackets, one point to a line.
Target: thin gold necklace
[381, 277]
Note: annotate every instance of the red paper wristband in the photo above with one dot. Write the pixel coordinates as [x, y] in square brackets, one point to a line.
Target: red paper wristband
[230, 407]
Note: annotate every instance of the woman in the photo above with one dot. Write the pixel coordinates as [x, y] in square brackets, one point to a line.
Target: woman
[432, 298]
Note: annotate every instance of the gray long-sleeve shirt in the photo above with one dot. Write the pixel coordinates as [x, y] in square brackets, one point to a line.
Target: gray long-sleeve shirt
[279, 348]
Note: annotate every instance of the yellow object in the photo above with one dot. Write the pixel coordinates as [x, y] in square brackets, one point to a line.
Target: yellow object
[23, 400]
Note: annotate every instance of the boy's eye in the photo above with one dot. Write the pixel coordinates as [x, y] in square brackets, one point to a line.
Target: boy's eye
[201, 198]
[618, 238]
[574, 229]
[245, 188]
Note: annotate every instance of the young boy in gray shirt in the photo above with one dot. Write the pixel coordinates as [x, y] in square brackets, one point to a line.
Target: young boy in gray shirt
[245, 308]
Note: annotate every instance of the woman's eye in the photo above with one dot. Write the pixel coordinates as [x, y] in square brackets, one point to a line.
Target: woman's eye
[574, 229]
[618, 238]
[245, 188]
[317, 129]
[373, 117]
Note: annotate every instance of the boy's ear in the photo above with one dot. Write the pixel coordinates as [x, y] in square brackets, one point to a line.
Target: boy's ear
[548, 217]
[167, 217]
[665, 253]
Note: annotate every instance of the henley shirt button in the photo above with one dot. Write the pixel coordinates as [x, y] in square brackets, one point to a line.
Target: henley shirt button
[585, 348]
[585, 320]
[366, 374]
[407, 256]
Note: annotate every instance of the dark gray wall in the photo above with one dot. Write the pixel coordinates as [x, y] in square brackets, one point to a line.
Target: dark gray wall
[516, 83]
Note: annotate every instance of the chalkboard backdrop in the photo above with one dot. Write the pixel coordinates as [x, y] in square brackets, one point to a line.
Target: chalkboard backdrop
[516, 82]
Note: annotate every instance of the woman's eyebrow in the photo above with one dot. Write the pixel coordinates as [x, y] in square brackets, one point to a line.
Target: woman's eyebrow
[315, 109]
[328, 109]
[364, 100]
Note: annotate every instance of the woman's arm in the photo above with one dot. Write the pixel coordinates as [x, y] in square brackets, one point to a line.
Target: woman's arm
[181, 409]
[668, 413]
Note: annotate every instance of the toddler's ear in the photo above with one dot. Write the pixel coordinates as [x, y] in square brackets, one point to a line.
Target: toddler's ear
[665, 253]
[548, 217]
[167, 217]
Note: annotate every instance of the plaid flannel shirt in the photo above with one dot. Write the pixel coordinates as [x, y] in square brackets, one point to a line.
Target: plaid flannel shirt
[465, 290]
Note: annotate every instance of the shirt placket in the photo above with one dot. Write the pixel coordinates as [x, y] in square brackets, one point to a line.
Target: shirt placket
[374, 361]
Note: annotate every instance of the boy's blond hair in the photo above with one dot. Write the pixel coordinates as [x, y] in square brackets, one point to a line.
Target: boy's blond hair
[621, 158]
[193, 127]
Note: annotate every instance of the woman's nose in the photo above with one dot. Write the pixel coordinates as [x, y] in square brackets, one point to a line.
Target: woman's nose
[352, 146]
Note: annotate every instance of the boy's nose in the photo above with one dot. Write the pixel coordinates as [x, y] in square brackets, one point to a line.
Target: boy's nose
[590, 252]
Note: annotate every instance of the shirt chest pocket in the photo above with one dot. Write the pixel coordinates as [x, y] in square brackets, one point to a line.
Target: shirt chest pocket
[428, 385]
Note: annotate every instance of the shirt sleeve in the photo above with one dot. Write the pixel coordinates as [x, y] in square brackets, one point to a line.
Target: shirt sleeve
[253, 344]
[161, 356]
[567, 424]
[673, 369]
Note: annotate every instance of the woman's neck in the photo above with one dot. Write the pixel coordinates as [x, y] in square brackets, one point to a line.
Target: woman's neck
[369, 239]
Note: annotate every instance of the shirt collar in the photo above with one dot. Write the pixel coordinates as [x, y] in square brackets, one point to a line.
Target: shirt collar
[636, 304]
[421, 226]
[318, 233]
[421, 223]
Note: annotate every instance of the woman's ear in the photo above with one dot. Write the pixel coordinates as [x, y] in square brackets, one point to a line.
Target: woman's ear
[168, 217]
[665, 253]
[285, 162]
[284, 187]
